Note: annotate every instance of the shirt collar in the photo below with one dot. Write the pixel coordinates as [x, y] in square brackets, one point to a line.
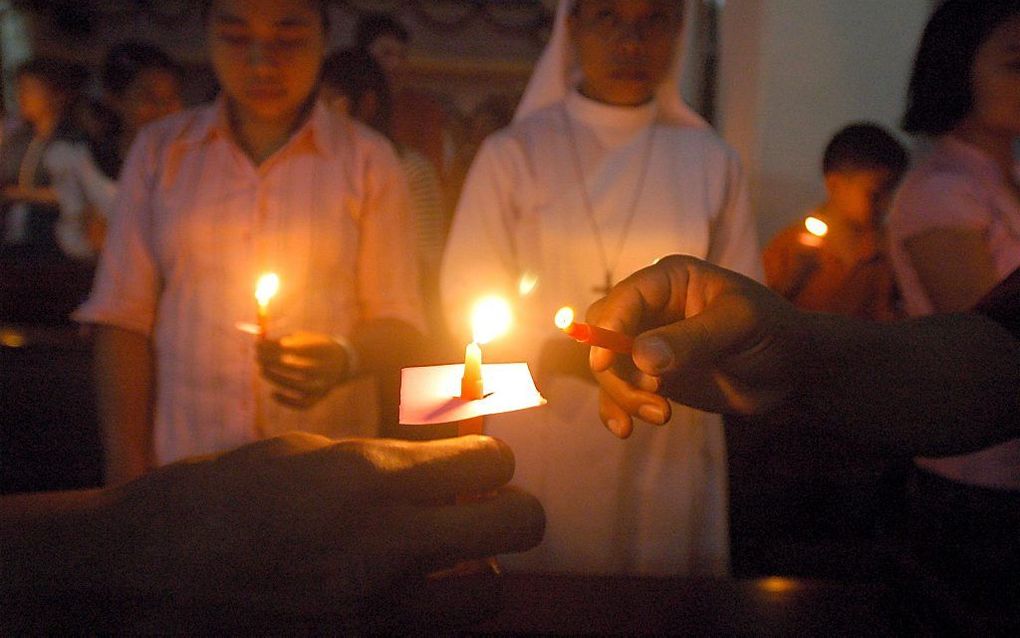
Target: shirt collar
[213, 122]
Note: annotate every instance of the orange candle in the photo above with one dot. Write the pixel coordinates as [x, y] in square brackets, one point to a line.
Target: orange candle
[471, 383]
[593, 335]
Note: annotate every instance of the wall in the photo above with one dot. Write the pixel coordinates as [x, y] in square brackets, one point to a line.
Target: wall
[792, 72]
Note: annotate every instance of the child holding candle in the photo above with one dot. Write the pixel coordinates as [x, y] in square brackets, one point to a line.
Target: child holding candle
[264, 179]
[591, 182]
[834, 260]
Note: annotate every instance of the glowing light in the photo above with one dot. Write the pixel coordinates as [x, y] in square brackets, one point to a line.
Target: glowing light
[266, 288]
[491, 318]
[564, 317]
[12, 339]
[527, 284]
[777, 584]
[816, 227]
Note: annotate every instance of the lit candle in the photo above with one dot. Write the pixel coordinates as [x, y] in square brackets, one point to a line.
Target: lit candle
[816, 230]
[268, 285]
[490, 318]
[592, 335]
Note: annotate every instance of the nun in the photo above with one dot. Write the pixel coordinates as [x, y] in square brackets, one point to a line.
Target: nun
[603, 170]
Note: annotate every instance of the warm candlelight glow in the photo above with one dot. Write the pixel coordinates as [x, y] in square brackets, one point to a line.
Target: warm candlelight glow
[527, 284]
[490, 318]
[564, 317]
[266, 288]
[816, 227]
[592, 335]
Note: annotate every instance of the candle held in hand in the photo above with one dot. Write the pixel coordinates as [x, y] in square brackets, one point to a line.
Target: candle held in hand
[490, 318]
[592, 335]
[266, 288]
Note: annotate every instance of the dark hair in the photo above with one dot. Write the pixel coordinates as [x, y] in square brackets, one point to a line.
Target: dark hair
[65, 78]
[353, 73]
[372, 26]
[939, 94]
[322, 4]
[125, 61]
[864, 145]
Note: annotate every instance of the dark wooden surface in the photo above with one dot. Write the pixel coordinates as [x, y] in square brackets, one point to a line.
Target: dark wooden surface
[509, 604]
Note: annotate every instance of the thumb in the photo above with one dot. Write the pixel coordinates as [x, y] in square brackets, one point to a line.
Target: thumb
[720, 329]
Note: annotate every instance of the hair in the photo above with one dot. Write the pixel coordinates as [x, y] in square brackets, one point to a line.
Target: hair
[323, 6]
[940, 94]
[67, 79]
[372, 26]
[354, 72]
[862, 146]
[127, 60]
[576, 4]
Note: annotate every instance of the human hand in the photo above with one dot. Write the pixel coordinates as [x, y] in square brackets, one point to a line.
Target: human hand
[302, 523]
[304, 367]
[706, 337]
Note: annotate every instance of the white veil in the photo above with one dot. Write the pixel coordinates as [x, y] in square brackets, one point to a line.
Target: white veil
[556, 74]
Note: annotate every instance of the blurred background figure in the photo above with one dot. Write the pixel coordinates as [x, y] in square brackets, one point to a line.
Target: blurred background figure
[354, 82]
[492, 114]
[955, 233]
[834, 259]
[49, 91]
[141, 83]
[418, 119]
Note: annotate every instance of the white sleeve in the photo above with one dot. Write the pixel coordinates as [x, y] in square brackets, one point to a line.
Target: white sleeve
[480, 257]
[61, 160]
[734, 234]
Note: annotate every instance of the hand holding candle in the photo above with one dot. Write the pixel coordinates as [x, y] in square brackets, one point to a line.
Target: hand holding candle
[592, 335]
[266, 288]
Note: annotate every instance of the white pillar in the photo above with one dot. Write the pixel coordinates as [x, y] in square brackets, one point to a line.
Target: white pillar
[792, 72]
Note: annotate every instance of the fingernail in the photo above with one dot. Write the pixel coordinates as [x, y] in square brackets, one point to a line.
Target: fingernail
[656, 352]
[652, 413]
[614, 426]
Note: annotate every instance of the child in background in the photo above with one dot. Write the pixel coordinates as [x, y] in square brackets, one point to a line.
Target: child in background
[833, 260]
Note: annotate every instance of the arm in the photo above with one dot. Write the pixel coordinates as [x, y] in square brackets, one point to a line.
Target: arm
[717, 341]
[123, 371]
[283, 525]
[954, 266]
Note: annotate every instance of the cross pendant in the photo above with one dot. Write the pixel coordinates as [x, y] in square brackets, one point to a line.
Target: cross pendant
[606, 287]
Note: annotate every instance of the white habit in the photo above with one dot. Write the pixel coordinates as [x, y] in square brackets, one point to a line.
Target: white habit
[657, 502]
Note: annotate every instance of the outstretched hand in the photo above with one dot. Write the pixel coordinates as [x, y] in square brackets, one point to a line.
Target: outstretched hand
[320, 523]
[705, 337]
[304, 367]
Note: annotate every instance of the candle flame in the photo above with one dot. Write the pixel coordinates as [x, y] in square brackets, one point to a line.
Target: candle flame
[490, 318]
[564, 317]
[527, 284]
[267, 286]
[816, 227]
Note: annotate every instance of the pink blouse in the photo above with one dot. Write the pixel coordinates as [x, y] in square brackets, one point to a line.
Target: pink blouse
[958, 186]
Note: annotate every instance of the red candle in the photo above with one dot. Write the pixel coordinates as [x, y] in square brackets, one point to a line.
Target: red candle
[593, 335]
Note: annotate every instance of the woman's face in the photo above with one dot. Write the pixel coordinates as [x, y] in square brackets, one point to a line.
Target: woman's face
[153, 94]
[36, 100]
[266, 54]
[625, 48]
[995, 81]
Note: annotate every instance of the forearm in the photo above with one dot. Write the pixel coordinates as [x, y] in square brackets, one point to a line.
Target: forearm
[941, 385]
[124, 384]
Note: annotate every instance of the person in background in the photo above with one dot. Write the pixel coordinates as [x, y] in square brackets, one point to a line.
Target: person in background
[141, 85]
[954, 231]
[354, 82]
[839, 265]
[419, 118]
[35, 225]
[604, 170]
[264, 179]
